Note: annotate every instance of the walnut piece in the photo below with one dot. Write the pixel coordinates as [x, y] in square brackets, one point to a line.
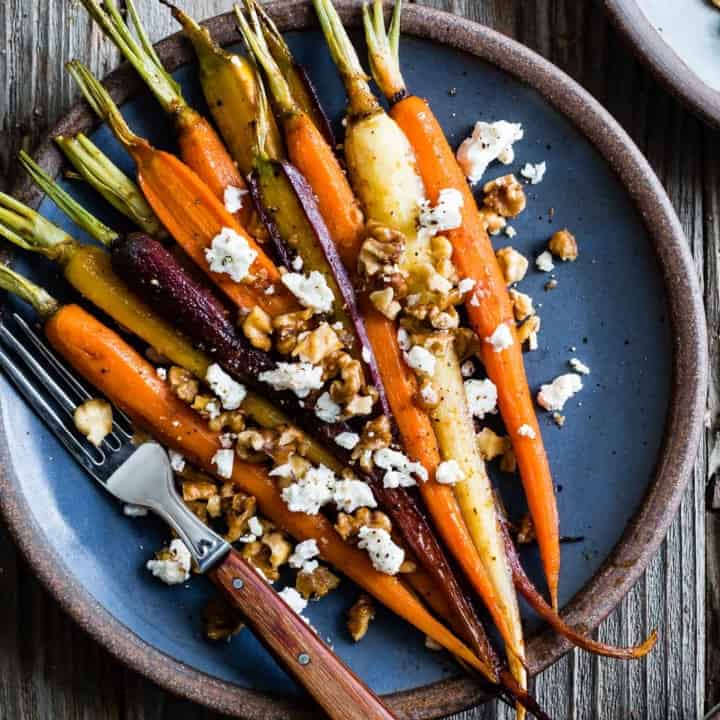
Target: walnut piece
[489, 444]
[522, 304]
[316, 584]
[528, 332]
[316, 345]
[183, 384]
[268, 554]
[384, 302]
[505, 195]
[360, 615]
[381, 250]
[238, 509]
[220, 620]
[348, 526]
[232, 420]
[513, 264]
[526, 530]
[564, 245]
[493, 222]
[257, 328]
[288, 328]
[376, 435]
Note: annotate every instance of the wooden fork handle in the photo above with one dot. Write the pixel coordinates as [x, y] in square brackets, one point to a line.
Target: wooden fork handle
[341, 694]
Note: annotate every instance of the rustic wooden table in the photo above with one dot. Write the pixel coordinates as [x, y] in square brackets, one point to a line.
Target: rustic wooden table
[49, 669]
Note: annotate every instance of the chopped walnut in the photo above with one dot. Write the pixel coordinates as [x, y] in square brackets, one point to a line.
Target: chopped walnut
[238, 509]
[360, 615]
[490, 445]
[493, 222]
[279, 546]
[198, 490]
[381, 250]
[513, 264]
[376, 435]
[441, 250]
[257, 328]
[214, 506]
[348, 526]
[505, 195]
[268, 554]
[558, 419]
[232, 420]
[255, 445]
[94, 419]
[316, 584]
[528, 331]
[408, 566]
[199, 509]
[526, 530]
[564, 245]
[288, 327]
[220, 620]
[522, 305]
[183, 384]
[467, 343]
[384, 302]
[316, 345]
[508, 461]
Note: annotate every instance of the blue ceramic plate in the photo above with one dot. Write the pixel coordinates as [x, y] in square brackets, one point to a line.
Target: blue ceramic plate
[629, 308]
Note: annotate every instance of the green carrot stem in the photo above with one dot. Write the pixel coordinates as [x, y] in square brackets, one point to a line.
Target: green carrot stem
[44, 303]
[106, 178]
[141, 55]
[29, 230]
[71, 207]
[276, 43]
[384, 48]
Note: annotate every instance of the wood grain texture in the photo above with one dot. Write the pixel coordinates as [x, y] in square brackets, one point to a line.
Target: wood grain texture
[50, 670]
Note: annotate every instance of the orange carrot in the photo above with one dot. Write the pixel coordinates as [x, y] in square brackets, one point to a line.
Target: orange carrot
[488, 306]
[105, 360]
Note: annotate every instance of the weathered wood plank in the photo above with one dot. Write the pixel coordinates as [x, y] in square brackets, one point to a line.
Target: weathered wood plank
[48, 669]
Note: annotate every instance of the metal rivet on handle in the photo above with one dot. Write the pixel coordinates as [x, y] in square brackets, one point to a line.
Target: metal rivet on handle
[238, 584]
[304, 659]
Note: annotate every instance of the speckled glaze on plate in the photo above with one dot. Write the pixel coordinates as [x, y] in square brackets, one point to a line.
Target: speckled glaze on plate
[680, 41]
[630, 306]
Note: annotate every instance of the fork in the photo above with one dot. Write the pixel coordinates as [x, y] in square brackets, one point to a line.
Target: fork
[141, 475]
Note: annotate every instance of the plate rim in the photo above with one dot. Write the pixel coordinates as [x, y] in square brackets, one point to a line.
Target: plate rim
[684, 420]
[649, 45]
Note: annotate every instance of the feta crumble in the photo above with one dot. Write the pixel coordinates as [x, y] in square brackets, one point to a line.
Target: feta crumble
[300, 377]
[297, 263]
[233, 198]
[481, 397]
[295, 601]
[347, 440]
[230, 392]
[445, 215]
[304, 551]
[313, 490]
[501, 339]
[177, 461]
[554, 395]
[544, 262]
[467, 369]
[526, 431]
[385, 555]
[579, 366]
[449, 472]
[350, 495]
[231, 254]
[510, 231]
[399, 469]
[428, 394]
[223, 460]
[176, 569]
[534, 173]
[466, 285]
[420, 359]
[255, 526]
[366, 354]
[161, 372]
[488, 142]
[311, 290]
[403, 338]
[326, 409]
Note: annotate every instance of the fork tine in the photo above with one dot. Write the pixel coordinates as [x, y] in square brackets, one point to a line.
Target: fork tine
[89, 457]
[79, 387]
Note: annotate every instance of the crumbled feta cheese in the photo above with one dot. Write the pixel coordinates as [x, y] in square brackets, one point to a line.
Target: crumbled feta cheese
[439, 284]
[176, 569]
[231, 254]
[212, 408]
[501, 339]
[420, 359]
[255, 526]
[304, 551]
[284, 471]
[297, 263]
[403, 338]
[223, 460]
[488, 142]
[385, 555]
[177, 461]
[311, 290]
[230, 392]
[510, 231]
[481, 397]
[579, 366]
[296, 602]
[445, 215]
[227, 439]
[466, 285]
[534, 173]
[449, 472]
[559, 391]
[544, 262]
[309, 566]
[526, 431]
[300, 377]
[399, 468]
[327, 409]
[161, 372]
[313, 490]
[353, 494]
[428, 394]
[134, 510]
[347, 440]
[233, 198]
[467, 369]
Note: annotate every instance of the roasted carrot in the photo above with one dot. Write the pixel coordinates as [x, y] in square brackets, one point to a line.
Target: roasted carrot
[187, 207]
[488, 305]
[200, 146]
